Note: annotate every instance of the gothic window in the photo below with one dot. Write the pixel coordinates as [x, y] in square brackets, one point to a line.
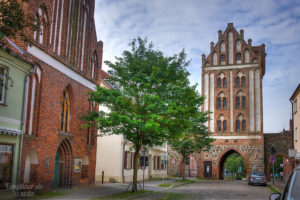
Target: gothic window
[219, 83]
[40, 21]
[224, 82]
[224, 103]
[243, 102]
[219, 103]
[243, 81]
[222, 58]
[243, 125]
[219, 125]
[237, 125]
[238, 57]
[237, 81]
[237, 102]
[94, 64]
[65, 111]
[224, 125]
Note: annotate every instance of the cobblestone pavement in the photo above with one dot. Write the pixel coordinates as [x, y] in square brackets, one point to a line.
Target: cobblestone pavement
[224, 190]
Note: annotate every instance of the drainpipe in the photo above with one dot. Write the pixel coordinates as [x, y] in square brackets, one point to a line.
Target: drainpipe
[124, 144]
[24, 108]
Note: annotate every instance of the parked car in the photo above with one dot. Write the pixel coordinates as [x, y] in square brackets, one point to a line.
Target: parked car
[257, 178]
[292, 188]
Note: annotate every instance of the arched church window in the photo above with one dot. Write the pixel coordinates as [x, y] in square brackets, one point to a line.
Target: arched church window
[224, 103]
[224, 82]
[224, 125]
[65, 111]
[219, 125]
[243, 125]
[219, 103]
[219, 82]
[238, 57]
[237, 81]
[237, 125]
[243, 81]
[237, 102]
[222, 58]
[243, 102]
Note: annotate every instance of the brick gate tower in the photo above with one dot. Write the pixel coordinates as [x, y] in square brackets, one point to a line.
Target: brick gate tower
[232, 85]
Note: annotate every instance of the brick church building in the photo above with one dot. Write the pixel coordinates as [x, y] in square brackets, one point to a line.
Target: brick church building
[232, 85]
[57, 151]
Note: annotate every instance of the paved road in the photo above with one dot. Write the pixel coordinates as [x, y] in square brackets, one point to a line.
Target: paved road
[224, 190]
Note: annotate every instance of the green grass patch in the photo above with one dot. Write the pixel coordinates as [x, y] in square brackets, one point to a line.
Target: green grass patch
[164, 185]
[52, 194]
[274, 190]
[184, 182]
[201, 179]
[121, 195]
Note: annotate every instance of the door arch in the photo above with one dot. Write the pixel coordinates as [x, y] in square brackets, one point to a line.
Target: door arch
[63, 165]
[222, 158]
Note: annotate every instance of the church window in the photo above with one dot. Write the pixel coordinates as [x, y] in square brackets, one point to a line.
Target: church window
[237, 81]
[243, 81]
[237, 125]
[237, 102]
[219, 83]
[224, 82]
[219, 103]
[224, 125]
[224, 103]
[222, 58]
[238, 57]
[219, 125]
[243, 102]
[65, 111]
[243, 125]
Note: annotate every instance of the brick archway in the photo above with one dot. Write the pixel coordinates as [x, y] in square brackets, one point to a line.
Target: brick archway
[287, 166]
[222, 158]
[63, 165]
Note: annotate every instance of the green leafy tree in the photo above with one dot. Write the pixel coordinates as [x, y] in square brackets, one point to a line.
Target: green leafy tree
[195, 137]
[146, 100]
[15, 21]
[234, 162]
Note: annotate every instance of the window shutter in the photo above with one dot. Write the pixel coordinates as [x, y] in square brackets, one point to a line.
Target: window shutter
[125, 160]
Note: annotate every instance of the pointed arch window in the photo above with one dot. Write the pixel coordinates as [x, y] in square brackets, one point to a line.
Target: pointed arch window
[222, 59]
[243, 81]
[224, 82]
[237, 125]
[224, 125]
[219, 125]
[219, 83]
[237, 81]
[243, 125]
[65, 111]
[40, 22]
[238, 58]
[219, 103]
[243, 102]
[237, 102]
[224, 103]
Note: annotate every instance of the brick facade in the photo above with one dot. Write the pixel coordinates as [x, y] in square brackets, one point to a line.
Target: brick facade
[236, 122]
[67, 57]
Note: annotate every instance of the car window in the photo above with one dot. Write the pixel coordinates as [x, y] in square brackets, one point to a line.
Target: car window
[295, 192]
[286, 189]
[258, 173]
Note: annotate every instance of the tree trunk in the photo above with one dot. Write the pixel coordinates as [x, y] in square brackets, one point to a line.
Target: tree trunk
[183, 169]
[135, 168]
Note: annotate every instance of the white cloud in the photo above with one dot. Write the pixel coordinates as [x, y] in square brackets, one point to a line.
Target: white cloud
[192, 24]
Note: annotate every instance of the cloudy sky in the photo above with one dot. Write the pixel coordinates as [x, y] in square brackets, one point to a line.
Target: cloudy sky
[192, 24]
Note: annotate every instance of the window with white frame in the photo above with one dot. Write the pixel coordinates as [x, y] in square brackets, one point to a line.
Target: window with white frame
[2, 84]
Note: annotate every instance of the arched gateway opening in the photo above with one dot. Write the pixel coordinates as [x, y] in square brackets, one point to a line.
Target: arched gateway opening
[232, 163]
[63, 165]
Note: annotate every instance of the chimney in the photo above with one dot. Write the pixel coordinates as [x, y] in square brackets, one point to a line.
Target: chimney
[249, 41]
[242, 33]
[211, 46]
[219, 34]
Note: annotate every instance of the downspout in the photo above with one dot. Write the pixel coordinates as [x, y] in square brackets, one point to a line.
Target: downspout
[123, 157]
[24, 108]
